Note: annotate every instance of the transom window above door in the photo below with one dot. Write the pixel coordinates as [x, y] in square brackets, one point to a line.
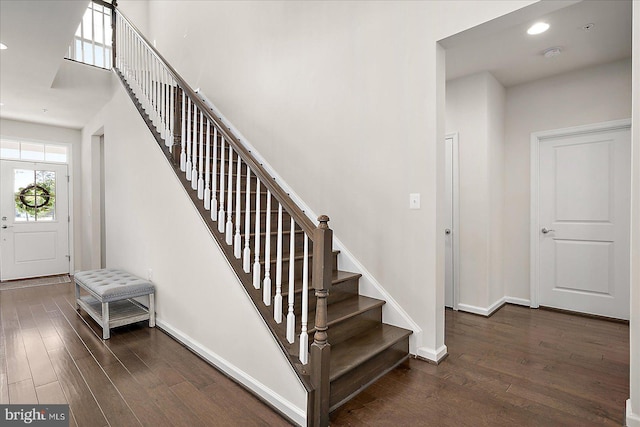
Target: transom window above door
[12, 149]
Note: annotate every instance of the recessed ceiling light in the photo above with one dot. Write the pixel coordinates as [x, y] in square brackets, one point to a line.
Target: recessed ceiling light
[538, 28]
[3, 46]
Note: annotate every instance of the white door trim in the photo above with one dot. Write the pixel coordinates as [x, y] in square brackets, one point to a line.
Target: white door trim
[456, 217]
[536, 139]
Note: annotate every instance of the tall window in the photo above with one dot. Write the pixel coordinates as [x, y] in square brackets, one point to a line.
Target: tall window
[92, 42]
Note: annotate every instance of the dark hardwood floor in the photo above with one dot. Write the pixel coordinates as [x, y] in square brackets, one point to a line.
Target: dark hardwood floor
[519, 367]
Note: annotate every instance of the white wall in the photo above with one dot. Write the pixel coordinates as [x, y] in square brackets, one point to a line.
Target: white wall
[633, 404]
[496, 101]
[590, 95]
[153, 225]
[475, 110]
[351, 91]
[46, 133]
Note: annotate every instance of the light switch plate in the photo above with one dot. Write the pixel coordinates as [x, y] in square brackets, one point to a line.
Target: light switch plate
[414, 201]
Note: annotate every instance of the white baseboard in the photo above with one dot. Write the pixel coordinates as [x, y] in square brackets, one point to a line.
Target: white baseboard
[633, 420]
[482, 311]
[295, 414]
[432, 355]
[488, 311]
[518, 301]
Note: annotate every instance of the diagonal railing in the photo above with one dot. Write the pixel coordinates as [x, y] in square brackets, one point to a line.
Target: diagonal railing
[255, 222]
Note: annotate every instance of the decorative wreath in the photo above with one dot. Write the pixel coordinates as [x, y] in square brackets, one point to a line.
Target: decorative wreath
[35, 198]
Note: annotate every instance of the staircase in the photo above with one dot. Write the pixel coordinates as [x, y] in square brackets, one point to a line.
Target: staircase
[333, 336]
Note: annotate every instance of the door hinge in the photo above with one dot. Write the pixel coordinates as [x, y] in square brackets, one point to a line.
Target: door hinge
[67, 178]
[69, 218]
[68, 257]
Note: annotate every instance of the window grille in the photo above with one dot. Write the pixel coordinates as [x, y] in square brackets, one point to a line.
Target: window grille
[92, 41]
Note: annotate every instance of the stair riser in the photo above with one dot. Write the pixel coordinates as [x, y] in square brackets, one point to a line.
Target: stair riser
[354, 326]
[353, 382]
[337, 293]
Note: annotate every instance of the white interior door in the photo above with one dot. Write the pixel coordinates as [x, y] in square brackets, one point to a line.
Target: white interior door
[34, 219]
[584, 222]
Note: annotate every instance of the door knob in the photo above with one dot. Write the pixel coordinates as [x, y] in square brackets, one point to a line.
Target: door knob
[546, 230]
[7, 226]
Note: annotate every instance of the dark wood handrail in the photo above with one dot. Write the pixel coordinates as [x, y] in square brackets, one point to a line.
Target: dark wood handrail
[317, 383]
[281, 196]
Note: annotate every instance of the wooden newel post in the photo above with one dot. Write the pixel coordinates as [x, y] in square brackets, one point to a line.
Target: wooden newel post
[320, 349]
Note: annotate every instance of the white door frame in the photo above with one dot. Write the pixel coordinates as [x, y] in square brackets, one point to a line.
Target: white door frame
[69, 183]
[456, 217]
[536, 139]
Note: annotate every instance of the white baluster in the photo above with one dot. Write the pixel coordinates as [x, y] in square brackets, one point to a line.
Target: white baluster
[256, 250]
[229, 226]
[183, 134]
[163, 103]
[246, 255]
[291, 317]
[165, 114]
[188, 125]
[207, 176]
[152, 89]
[169, 136]
[266, 285]
[156, 92]
[304, 336]
[277, 301]
[167, 109]
[221, 211]
[143, 86]
[200, 179]
[237, 240]
[214, 176]
[194, 149]
[156, 79]
[172, 110]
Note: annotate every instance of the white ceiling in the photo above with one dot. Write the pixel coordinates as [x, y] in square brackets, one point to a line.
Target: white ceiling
[33, 74]
[504, 48]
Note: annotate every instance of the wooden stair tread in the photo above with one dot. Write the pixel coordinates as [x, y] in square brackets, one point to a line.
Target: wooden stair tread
[345, 309]
[350, 354]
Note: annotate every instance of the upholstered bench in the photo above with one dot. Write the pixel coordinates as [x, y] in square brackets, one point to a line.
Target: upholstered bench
[110, 296]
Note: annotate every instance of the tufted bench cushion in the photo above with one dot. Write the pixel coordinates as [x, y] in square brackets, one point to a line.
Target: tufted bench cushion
[109, 285]
[110, 296]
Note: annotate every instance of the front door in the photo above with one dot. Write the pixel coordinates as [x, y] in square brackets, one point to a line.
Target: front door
[584, 218]
[34, 219]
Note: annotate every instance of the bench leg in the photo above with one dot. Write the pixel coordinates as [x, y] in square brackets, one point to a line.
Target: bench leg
[152, 310]
[77, 297]
[105, 321]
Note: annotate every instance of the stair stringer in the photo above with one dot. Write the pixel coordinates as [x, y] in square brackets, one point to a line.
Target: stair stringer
[392, 312]
[189, 306]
